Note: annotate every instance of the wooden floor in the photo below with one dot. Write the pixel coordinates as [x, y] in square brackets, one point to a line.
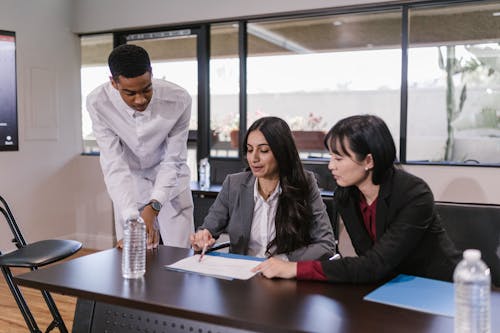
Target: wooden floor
[11, 320]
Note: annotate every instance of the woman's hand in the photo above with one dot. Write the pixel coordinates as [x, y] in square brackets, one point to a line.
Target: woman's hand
[277, 268]
[200, 239]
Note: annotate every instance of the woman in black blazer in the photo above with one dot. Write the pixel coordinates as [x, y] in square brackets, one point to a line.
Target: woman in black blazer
[389, 214]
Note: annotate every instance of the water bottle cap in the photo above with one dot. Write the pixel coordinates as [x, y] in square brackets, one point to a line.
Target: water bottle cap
[472, 254]
[133, 216]
[138, 219]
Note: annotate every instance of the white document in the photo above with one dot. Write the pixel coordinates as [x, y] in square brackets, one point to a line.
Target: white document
[217, 266]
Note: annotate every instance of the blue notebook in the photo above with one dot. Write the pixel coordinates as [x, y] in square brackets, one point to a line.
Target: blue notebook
[416, 293]
[234, 256]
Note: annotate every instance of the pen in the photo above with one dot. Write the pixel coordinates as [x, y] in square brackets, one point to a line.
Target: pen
[335, 257]
[203, 252]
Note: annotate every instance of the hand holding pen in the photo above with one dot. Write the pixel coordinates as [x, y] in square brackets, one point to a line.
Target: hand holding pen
[202, 240]
[203, 251]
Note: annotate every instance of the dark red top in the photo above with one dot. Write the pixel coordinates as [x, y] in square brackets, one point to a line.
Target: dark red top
[312, 270]
[369, 213]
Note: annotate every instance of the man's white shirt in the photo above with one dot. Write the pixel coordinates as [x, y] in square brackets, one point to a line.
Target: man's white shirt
[142, 154]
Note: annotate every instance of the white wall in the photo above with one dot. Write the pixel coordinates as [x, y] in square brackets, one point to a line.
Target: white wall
[100, 15]
[43, 181]
[55, 192]
[461, 184]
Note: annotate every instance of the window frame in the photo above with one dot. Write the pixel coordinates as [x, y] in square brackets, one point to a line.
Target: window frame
[221, 166]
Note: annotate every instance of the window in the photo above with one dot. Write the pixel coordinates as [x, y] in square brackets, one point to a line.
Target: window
[432, 75]
[94, 72]
[454, 84]
[224, 90]
[174, 58]
[314, 71]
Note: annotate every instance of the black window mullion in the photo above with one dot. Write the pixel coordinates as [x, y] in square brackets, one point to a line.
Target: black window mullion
[403, 126]
[118, 39]
[243, 52]
[203, 54]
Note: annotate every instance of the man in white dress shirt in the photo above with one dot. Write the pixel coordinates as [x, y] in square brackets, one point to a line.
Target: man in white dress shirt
[141, 127]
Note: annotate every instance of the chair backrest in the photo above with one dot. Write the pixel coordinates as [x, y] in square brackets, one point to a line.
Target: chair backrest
[33, 255]
[334, 219]
[11, 221]
[474, 226]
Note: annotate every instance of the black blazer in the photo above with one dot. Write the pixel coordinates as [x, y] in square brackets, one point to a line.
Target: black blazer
[409, 236]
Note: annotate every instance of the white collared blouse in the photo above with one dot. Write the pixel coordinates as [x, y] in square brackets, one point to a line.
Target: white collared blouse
[263, 226]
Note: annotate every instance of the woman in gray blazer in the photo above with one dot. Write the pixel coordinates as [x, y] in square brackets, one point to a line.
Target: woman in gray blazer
[275, 209]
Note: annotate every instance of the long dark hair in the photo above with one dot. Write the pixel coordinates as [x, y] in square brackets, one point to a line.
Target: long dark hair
[365, 134]
[293, 214]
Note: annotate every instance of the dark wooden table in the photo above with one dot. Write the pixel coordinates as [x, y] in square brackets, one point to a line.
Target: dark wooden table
[258, 304]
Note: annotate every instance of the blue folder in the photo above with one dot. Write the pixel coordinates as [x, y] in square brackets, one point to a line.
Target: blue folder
[234, 256]
[416, 293]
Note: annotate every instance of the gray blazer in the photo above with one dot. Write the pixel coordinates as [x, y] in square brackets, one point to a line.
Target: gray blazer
[232, 212]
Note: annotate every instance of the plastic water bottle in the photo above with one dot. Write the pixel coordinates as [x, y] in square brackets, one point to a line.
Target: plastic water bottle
[204, 180]
[134, 249]
[472, 294]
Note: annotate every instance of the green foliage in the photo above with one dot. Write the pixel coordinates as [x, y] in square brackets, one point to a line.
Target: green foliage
[457, 66]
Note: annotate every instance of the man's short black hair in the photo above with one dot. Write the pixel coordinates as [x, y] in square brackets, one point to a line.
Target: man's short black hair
[129, 61]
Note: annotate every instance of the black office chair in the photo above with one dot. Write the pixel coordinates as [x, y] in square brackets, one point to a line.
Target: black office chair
[32, 256]
[334, 221]
[474, 226]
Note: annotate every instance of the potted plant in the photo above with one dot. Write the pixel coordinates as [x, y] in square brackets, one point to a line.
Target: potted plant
[226, 128]
[308, 132]
[234, 135]
[232, 123]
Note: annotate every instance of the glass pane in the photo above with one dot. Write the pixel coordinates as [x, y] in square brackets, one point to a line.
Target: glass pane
[314, 71]
[224, 89]
[454, 84]
[174, 58]
[94, 71]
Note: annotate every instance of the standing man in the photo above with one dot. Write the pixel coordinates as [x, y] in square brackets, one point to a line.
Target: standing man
[141, 127]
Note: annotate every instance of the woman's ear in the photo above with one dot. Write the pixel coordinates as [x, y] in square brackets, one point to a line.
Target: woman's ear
[369, 163]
